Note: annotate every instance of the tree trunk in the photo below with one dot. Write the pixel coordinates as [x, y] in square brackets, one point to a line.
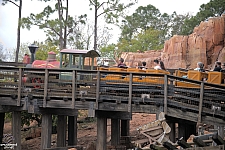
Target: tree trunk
[65, 26]
[18, 33]
[95, 28]
[60, 21]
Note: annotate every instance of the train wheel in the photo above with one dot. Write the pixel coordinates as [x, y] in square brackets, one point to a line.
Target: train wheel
[36, 80]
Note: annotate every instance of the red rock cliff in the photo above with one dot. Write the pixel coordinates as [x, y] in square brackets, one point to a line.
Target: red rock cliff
[205, 44]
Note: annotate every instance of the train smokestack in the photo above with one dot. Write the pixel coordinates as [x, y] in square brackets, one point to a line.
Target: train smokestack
[51, 56]
[33, 48]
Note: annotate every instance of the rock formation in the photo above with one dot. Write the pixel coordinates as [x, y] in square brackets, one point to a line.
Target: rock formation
[206, 44]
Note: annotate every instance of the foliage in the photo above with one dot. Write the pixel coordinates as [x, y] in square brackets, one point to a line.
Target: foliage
[212, 9]
[8, 115]
[111, 9]
[145, 40]
[83, 37]
[42, 52]
[109, 51]
[141, 19]
[26, 118]
[57, 30]
[150, 17]
[23, 50]
[44, 48]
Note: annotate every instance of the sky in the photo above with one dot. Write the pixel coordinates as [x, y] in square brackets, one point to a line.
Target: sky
[9, 15]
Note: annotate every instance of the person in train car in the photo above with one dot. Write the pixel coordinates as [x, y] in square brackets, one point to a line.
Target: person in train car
[200, 67]
[157, 65]
[121, 63]
[217, 66]
[139, 65]
[144, 65]
[222, 68]
[162, 65]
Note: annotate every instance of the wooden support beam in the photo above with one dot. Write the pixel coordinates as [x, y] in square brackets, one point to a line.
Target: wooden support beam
[16, 129]
[2, 121]
[97, 89]
[101, 133]
[61, 131]
[19, 87]
[221, 131]
[186, 129]
[190, 129]
[115, 132]
[46, 131]
[72, 130]
[181, 130]
[125, 127]
[74, 88]
[45, 88]
[113, 114]
[165, 92]
[130, 93]
[172, 133]
[200, 103]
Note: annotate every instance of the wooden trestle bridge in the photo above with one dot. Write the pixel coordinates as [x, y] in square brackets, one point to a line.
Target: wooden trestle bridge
[47, 92]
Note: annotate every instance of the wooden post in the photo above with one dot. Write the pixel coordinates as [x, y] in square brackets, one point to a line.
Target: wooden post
[186, 129]
[200, 103]
[190, 128]
[74, 88]
[181, 130]
[165, 92]
[221, 131]
[72, 130]
[16, 129]
[97, 89]
[19, 87]
[46, 131]
[101, 133]
[61, 131]
[172, 132]
[45, 88]
[125, 127]
[92, 62]
[2, 121]
[115, 132]
[130, 93]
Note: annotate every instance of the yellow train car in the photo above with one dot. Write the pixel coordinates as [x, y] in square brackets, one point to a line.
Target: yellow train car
[209, 77]
[136, 78]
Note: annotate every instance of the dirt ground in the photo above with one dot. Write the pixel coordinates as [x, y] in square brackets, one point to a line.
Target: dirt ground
[87, 132]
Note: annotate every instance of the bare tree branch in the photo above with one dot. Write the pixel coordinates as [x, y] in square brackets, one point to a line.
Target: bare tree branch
[101, 5]
[13, 3]
[107, 11]
[92, 2]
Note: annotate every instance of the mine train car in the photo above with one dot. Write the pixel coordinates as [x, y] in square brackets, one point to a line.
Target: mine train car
[69, 59]
[209, 77]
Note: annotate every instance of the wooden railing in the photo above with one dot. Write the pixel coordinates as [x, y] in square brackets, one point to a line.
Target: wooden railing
[117, 91]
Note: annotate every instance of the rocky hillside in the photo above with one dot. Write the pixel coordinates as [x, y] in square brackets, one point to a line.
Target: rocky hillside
[205, 44]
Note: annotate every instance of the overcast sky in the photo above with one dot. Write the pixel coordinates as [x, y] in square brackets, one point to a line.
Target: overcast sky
[9, 15]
